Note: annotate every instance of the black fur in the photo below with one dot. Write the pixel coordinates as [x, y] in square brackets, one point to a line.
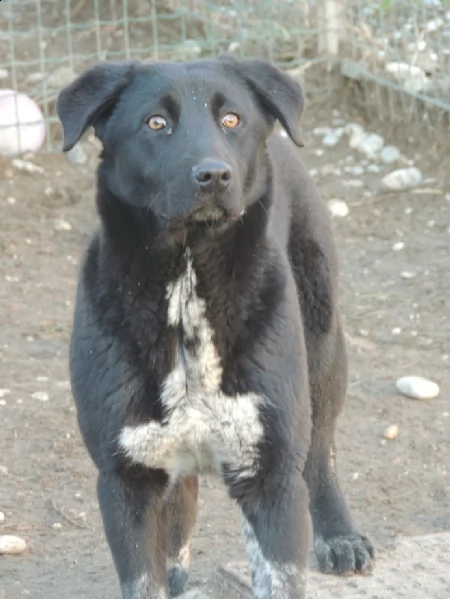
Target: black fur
[266, 269]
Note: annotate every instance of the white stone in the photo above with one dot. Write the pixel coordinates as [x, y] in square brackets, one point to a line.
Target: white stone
[319, 152]
[4, 392]
[40, 395]
[399, 245]
[4, 74]
[10, 545]
[60, 224]
[369, 144]
[321, 131]
[389, 154]
[25, 165]
[412, 77]
[2, 517]
[331, 139]
[407, 274]
[403, 178]
[338, 207]
[391, 432]
[76, 155]
[417, 387]
[373, 168]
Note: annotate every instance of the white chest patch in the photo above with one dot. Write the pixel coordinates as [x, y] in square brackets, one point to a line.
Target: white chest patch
[205, 429]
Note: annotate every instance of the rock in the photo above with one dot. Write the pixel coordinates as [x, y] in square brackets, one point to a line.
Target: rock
[2, 517]
[4, 74]
[10, 545]
[321, 131]
[338, 207]
[403, 178]
[4, 392]
[355, 183]
[412, 77]
[76, 155]
[60, 224]
[373, 168]
[25, 165]
[399, 245]
[319, 152]
[356, 170]
[417, 387]
[407, 274]
[389, 154]
[391, 432]
[331, 139]
[40, 395]
[369, 144]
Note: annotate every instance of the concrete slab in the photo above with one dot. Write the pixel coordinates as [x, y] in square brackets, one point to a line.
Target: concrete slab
[418, 568]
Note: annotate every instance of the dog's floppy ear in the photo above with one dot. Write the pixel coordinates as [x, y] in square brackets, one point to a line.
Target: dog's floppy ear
[278, 93]
[81, 103]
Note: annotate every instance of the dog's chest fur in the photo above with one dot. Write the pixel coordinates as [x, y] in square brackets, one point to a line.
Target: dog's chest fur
[204, 429]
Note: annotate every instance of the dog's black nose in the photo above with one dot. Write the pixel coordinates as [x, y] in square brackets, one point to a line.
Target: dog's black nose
[212, 176]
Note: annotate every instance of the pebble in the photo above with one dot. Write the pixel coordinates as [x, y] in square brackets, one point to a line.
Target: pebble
[403, 178]
[338, 207]
[57, 525]
[369, 144]
[331, 139]
[4, 74]
[25, 165]
[4, 392]
[2, 517]
[319, 152]
[321, 131]
[76, 155]
[373, 168]
[391, 432]
[356, 170]
[407, 274]
[40, 395]
[398, 246]
[10, 545]
[60, 224]
[389, 154]
[417, 387]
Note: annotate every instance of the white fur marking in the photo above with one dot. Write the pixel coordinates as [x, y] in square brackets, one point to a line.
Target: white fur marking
[205, 428]
[270, 580]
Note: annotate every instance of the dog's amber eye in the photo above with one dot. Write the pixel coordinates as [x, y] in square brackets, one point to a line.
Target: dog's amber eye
[157, 122]
[231, 120]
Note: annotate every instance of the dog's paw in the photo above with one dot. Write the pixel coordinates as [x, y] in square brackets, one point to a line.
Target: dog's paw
[177, 576]
[345, 555]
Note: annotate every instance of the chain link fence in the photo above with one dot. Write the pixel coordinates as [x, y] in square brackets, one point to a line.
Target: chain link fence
[399, 46]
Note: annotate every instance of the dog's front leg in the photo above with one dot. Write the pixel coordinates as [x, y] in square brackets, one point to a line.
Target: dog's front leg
[134, 517]
[276, 536]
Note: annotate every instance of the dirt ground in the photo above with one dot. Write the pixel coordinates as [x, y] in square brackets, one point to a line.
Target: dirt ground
[395, 326]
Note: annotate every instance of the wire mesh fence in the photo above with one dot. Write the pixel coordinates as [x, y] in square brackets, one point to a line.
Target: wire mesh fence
[396, 45]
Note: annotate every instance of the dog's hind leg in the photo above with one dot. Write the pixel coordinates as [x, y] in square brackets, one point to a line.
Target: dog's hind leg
[182, 515]
[339, 548]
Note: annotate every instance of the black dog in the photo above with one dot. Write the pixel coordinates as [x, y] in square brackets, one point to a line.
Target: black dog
[207, 334]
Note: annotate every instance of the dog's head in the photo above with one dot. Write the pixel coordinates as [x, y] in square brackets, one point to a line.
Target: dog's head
[186, 141]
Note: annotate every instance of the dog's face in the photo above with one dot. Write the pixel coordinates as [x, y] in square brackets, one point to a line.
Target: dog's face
[185, 141]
